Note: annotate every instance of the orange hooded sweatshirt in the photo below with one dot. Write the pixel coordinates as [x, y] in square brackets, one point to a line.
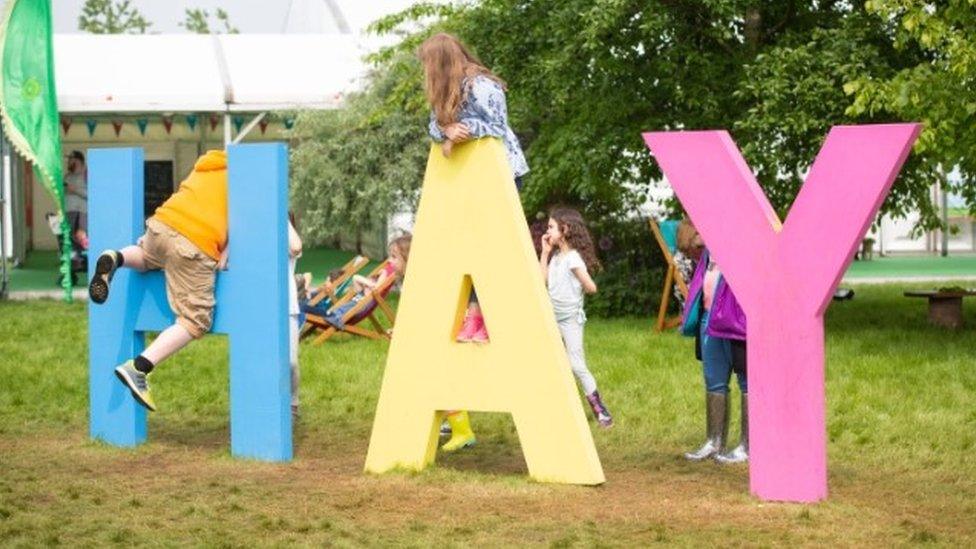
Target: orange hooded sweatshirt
[198, 209]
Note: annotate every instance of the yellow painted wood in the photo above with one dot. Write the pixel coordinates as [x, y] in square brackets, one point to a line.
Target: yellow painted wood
[470, 228]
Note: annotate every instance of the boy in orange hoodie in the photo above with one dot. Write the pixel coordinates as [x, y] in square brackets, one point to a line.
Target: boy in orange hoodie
[187, 239]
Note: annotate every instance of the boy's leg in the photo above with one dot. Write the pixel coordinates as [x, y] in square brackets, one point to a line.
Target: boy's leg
[166, 344]
[134, 257]
[190, 291]
[141, 257]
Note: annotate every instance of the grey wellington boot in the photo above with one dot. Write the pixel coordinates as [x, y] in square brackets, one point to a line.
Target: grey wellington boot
[739, 454]
[716, 426]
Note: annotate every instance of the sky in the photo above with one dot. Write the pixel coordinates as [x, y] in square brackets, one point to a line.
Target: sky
[250, 16]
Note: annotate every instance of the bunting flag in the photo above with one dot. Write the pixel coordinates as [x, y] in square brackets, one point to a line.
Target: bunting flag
[117, 126]
[238, 122]
[289, 122]
[263, 124]
[168, 123]
[142, 123]
[191, 121]
[66, 124]
[91, 125]
[214, 120]
[28, 103]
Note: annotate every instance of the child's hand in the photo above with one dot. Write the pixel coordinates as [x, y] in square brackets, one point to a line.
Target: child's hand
[446, 148]
[546, 245]
[457, 132]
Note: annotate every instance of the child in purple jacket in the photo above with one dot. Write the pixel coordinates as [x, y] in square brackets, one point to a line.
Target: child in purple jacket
[713, 316]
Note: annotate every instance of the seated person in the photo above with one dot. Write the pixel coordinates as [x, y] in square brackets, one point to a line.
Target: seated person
[399, 250]
[306, 293]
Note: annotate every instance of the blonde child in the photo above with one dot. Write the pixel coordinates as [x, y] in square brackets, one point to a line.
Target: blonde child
[567, 275]
[399, 253]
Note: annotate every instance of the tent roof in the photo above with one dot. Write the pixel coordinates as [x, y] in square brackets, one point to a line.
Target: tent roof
[209, 73]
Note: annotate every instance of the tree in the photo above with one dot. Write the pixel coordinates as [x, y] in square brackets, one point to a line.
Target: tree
[588, 77]
[112, 17]
[937, 89]
[354, 167]
[198, 20]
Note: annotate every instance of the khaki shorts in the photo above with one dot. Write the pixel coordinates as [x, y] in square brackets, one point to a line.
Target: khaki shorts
[189, 273]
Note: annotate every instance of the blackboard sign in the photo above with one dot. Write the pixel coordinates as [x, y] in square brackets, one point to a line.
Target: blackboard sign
[159, 184]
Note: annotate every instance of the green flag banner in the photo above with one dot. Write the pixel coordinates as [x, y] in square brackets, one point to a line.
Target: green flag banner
[28, 103]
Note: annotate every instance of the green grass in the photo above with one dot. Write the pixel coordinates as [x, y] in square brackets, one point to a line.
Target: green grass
[901, 430]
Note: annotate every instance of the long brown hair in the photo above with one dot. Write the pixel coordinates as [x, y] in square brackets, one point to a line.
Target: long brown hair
[447, 62]
[574, 230]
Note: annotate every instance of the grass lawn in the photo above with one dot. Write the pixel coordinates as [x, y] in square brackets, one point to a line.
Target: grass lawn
[901, 426]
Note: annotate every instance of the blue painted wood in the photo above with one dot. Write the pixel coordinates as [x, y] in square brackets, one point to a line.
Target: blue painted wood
[251, 299]
[253, 302]
[115, 220]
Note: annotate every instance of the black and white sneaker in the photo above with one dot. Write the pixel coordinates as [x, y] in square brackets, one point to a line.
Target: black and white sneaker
[104, 270]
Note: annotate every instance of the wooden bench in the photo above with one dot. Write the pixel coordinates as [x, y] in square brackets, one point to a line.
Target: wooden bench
[945, 306]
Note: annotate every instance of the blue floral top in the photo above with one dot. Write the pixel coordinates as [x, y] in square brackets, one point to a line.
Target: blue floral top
[485, 114]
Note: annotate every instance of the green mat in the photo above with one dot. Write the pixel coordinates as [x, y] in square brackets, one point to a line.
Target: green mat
[39, 272]
[914, 267]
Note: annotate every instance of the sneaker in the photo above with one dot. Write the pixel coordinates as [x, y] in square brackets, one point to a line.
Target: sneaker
[468, 329]
[445, 429]
[137, 382]
[104, 270]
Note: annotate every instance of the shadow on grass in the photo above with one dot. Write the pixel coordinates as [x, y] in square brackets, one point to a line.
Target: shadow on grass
[210, 436]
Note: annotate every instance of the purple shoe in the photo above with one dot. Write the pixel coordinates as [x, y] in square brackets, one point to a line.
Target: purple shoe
[600, 410]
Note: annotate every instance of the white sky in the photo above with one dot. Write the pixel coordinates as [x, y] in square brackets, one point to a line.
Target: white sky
[250, 16]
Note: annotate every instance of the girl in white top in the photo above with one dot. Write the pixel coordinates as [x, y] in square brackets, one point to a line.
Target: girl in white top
[567, 277]
[294, 252]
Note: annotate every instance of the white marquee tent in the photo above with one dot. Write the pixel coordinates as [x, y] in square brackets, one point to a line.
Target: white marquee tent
[230, 75]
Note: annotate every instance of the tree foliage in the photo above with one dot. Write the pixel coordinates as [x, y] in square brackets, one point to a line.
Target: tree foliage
[587, 77]
[112, 17]
[938, 88]
[354, 167]
[198, 20]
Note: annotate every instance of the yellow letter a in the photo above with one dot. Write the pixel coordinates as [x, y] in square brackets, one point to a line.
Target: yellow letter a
[470, 224]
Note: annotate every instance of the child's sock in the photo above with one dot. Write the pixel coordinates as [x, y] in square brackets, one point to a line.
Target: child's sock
[119, 258]
[143, 364]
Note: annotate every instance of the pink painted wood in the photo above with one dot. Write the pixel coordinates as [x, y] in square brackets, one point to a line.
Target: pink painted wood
[784, 274]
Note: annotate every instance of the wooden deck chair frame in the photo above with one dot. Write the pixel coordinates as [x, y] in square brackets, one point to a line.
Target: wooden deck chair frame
[317, 323]
[672, 277]
[325, 290]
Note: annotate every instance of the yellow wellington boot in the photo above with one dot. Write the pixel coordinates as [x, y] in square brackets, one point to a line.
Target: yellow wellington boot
[461, 434]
